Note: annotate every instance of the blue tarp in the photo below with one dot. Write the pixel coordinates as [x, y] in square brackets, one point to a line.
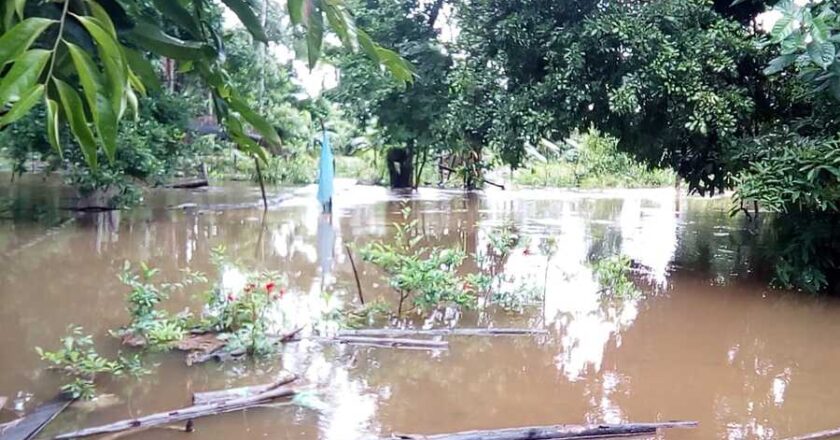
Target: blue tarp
[326, 173]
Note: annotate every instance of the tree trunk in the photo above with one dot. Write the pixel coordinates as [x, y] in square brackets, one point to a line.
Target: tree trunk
[206, 397]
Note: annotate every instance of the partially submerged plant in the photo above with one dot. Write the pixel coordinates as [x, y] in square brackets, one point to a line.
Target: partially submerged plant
[425, 276]
[149, 325]
[78, 359]
[613, 275]
[242, 315]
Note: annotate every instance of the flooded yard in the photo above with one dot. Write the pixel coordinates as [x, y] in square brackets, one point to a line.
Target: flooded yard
[707, 341]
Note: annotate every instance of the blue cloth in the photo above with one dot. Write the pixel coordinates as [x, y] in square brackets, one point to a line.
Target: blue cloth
[326, 172]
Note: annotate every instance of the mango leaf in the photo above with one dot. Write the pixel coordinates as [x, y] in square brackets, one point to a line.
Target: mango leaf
[102, 16]
[104, 114]
[258, 122]
[140, 67]
[397, 65]
[151, 37]
[822, 54]
[19, 7]
[110, 53]
[778, 64]
[172, 10]
[314, 23]
[22, 107]
[342, 24]
[295, 11]
[75, 111]
[23, 74]
[248, 18]
[52, 125]
[18, 39]
[243, 141]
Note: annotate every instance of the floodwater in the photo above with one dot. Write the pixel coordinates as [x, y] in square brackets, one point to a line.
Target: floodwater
[707, 341]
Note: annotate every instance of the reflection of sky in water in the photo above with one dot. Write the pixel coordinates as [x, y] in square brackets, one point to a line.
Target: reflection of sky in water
[646, 228]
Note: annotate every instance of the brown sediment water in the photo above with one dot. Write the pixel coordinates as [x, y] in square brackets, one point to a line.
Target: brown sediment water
[707, 342]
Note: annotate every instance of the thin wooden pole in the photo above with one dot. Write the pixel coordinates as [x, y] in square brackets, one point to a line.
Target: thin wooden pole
[355, 274]
[262, 184]
[818, 435]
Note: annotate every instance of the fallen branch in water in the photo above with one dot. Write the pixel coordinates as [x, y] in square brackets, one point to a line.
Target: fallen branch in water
[396, 332]
[205, 397]
[189, 184]
[33, 423]
[817, 435]
[553, 432]
[388, 342]
[185, 414]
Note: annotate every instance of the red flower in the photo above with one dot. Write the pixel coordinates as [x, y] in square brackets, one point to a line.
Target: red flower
[230, 297]
[282, 291]
[526, 251]
[270, 287]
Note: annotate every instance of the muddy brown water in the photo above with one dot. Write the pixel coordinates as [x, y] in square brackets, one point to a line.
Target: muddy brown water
[707, 342]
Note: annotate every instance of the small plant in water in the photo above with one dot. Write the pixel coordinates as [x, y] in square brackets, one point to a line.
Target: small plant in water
[425, 276]
[78, 359]
[149, 325]
[613, 275]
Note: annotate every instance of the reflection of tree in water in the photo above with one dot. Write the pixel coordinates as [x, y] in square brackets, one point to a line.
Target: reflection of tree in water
[721, 246]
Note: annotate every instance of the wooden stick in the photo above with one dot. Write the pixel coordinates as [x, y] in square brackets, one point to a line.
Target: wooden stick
[184, 414]
[395, 332]
[355, 274]
[205, 397]
[388, 342]
[818, 435]
[30, 425]
[554, 432]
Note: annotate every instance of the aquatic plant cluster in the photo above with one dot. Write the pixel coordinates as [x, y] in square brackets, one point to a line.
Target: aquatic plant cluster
[246, 318]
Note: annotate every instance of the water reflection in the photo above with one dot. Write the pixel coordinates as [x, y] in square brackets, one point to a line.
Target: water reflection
[705, 342]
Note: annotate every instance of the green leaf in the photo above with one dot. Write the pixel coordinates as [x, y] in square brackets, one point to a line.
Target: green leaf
[342, 24]
[248, 18]
[822, 54]
[18, 39]
[783, 28]
[259, 123]
[172, 10]
[75, 112]
[314, 38]
[103, 18]
[112, 58]
[243, 141]
[397, 65]
[295, 11]
[23, 75]
[152, 38]
[19, 7]
[141, 68]
[104, 114]
[52, 125]
[22, 107]
[778, 64]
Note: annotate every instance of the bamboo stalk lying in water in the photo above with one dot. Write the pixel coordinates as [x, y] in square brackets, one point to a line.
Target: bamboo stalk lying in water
[396, 332]
[817, 435]
[185, 414]
[554, 432]
[389, 342]
[206, 397]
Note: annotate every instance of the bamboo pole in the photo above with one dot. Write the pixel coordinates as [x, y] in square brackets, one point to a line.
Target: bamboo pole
[817, 435]
[554, 432]
[184, 414]
[395, 332]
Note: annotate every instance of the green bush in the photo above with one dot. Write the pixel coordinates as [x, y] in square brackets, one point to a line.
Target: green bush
[593, 161]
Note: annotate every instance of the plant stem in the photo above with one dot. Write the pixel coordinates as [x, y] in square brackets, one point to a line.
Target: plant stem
[58, 40]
